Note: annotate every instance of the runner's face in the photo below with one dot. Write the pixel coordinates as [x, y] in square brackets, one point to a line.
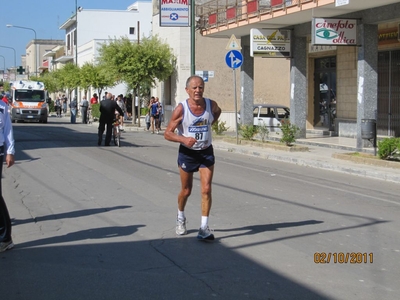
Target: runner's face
[195, 89]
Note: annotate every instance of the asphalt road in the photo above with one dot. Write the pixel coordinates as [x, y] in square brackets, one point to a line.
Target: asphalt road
[95, 222]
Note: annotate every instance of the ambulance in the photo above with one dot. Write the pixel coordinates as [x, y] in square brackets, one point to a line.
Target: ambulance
[29, 101]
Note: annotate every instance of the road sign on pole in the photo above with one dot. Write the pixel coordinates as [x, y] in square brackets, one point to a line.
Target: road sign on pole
[233, 44]
[234, 59]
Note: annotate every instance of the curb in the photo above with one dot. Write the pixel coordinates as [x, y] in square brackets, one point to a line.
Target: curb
[363, 171]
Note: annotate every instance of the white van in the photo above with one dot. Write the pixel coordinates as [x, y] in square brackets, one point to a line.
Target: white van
[29, 101]
[270, 115]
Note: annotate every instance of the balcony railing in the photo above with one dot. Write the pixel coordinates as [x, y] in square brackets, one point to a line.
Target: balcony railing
[217, 13]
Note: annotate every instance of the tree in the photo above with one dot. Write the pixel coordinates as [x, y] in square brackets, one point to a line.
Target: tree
[68, 76]
[95, 76]
[138, 64]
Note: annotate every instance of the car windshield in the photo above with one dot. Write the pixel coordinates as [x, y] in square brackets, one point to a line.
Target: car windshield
[283, 112]
[29, 95]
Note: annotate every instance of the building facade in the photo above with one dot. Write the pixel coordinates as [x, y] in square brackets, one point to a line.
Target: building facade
[357, 82]
[88, 29]
[209, 62]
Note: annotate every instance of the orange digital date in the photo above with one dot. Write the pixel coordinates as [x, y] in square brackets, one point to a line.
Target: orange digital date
[343, 257]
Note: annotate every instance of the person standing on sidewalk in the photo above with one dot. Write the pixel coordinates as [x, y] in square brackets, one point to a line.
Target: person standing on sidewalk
[73, 106]
[84, 109]
[154, 106]
[193, 119]
[6, 150]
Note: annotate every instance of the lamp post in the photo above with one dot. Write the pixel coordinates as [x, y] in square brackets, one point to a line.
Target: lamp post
[36, 46]
[4, 63]
[76, 43]
[15, 55]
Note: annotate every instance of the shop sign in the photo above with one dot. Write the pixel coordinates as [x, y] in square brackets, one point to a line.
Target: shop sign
[341, 2]
[338, 32]
[388, 36]
[174, 13]
[269, 42]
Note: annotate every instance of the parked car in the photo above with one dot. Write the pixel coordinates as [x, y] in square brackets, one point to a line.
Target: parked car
[269, 114]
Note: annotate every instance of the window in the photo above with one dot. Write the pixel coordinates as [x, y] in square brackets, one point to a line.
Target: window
[131, 30]
[69, 42]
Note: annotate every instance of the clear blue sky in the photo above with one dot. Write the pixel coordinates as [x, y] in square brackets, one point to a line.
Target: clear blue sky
[45, 17]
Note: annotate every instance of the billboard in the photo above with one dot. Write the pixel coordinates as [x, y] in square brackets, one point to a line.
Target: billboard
[174, 13]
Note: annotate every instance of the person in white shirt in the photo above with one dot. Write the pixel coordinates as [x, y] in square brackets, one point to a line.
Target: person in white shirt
[193, 119]
[7, 152]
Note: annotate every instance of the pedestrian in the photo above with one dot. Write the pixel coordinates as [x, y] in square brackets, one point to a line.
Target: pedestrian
[193, 119]
[73, 106]
[57, 106]
[64, 104]
[147, 120]
[107, 115]
[154, 114]
[84, 109]
[160, 114]
[6, 150]
[5, 99]
[94, 99]
[121, 104]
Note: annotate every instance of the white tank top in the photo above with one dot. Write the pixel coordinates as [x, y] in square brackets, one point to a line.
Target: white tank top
[197, 126]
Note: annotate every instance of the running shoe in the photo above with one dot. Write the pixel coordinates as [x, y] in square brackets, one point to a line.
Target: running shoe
[205, 234]
[6, 245]
[181, 227]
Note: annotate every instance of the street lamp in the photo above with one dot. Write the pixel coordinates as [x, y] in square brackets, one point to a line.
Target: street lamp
[76, 43]
[36, 46]
[15, 55]
[4, 63]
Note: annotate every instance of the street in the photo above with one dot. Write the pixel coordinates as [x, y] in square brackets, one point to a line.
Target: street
[95, 222]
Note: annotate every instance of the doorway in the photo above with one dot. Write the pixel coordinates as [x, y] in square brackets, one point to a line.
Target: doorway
[325, 93]
[388, 117]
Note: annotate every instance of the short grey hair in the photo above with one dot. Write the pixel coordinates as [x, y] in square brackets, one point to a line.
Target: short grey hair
[193, 77]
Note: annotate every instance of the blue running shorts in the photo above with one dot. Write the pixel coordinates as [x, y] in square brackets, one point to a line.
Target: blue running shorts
[191, 160]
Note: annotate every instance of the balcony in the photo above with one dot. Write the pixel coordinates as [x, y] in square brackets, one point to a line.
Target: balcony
[226, 17]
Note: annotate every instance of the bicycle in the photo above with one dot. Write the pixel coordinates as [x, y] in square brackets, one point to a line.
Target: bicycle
[116, 133]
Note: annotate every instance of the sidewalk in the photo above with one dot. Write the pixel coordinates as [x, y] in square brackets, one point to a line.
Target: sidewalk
[320, 155]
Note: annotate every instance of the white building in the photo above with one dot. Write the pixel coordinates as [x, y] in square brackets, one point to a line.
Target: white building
[88, 29]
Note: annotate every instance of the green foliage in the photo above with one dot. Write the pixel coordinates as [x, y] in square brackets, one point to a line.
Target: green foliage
[144, 111]
[67, 77]
[263, 131]
[289, 132]
[6, 86]
[138, 64]
[96, 110]
[389, 148]
[248, 131]
[219, 127]
[51, 106]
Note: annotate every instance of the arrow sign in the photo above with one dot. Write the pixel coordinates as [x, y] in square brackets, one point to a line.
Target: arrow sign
[234, 59]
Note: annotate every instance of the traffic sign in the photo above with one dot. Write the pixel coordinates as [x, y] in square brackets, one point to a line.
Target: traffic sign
[233, 44]
[234, 59]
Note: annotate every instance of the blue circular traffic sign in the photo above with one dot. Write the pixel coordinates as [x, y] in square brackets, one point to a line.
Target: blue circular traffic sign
[234, 59]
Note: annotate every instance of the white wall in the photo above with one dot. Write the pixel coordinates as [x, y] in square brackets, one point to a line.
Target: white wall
[95, 27]
[178, 39]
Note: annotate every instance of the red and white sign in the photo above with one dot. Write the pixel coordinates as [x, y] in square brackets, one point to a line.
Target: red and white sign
[174, 13]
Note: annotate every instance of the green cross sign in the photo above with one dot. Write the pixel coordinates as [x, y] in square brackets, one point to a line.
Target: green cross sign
[20, 70]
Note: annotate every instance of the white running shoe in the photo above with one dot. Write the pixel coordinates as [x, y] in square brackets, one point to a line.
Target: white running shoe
[181, 227]
[205, 234]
